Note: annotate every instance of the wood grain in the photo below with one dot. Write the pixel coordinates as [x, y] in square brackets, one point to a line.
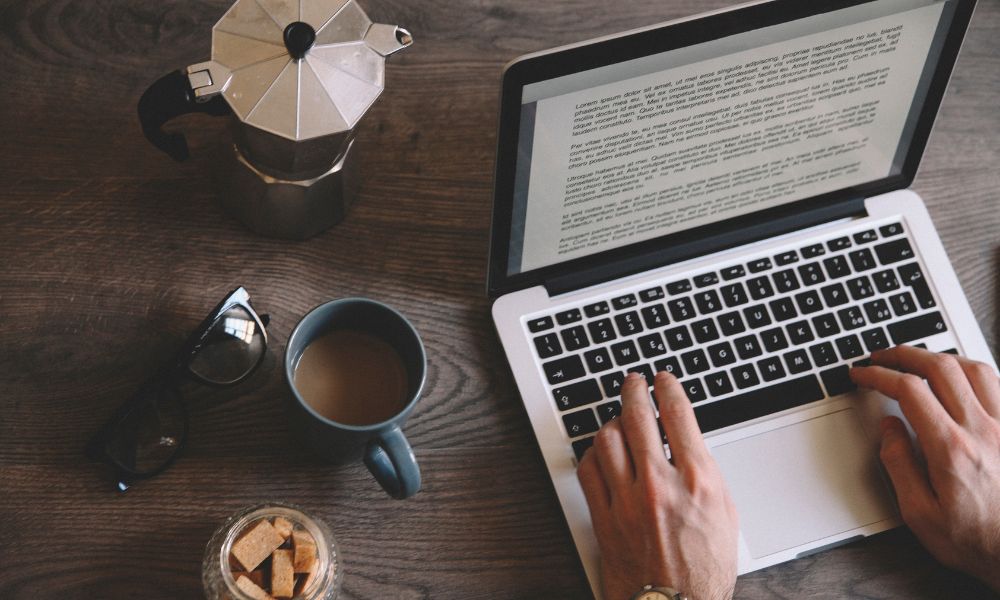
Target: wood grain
[111, 253]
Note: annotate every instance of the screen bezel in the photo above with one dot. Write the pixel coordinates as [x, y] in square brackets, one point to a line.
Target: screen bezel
[618, 262]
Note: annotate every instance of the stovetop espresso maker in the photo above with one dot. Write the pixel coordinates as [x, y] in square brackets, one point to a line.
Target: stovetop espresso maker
[298, 75]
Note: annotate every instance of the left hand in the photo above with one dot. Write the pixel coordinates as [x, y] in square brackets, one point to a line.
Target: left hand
[659, 523]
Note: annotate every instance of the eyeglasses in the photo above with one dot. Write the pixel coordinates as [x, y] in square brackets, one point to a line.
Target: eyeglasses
[147, 433]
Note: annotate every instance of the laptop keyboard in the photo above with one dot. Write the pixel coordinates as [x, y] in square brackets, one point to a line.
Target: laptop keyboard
[747, 340]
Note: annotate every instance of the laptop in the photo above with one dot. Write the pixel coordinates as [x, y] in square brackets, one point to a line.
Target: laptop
[725, 197]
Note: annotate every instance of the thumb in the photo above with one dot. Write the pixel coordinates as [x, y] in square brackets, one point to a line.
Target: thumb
[913, 489]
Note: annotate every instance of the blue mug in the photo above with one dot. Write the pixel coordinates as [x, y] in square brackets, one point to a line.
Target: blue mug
[384, 448]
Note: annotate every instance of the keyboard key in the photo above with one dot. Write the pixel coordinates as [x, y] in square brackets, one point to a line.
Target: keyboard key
[837, 381]
[836, 267]
[774, 339]
[865, 236]
[581, 446]
[785, 281]
[678, 338]
[602, 330]
[669, 364]
[758, 403]
[624, 352]
[885, 281]
[721, 354]
[576, 394]
[914, 277]
[875, 339]
[950, 351]
[771, 368]
[580, 423]
[761, 264]
[569, 316]
[694, 389]
[747, 347]
[797, 361]
[760, 288]
[575, 338]
[612, 383]
[651, 294]
[643, 370]
[679, 287]
[623, 302]
[597, 309]
[628, 323]
[718, 383]
[652, 345]
[705, 331]
[849, 347]
[860, 287]
[877, 311]
[734, 294]
[891, 229]
[894, 251]
[808, 302]
[834, 294]
[783, 309]
[839, 244]
[694, 361]
[548, 345]
[681, 309]
[731, 323]
[862, 260]
[916, 328]
[826, 325]
[608, 411]
[800, 332]
[706, 279]
[598, 360]
[733, 272]
[851, 318]
[864, 362]
[757, 316]
[823, 354]
[539, 324]
[708, 302]
[654, 315]
[745, 376]
[811, 274]
[902, 304]
[813, 251]
[563, 369]
[786, 258]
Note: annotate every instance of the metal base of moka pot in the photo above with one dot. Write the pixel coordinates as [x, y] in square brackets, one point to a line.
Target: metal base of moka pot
[286, 208]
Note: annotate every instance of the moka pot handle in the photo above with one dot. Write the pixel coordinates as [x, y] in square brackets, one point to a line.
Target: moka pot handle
[172, 96]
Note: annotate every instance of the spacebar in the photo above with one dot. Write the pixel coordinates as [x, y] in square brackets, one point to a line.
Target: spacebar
[758, 403]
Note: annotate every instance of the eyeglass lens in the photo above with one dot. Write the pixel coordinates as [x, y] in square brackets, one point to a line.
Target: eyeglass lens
[151, 433]
[231, 349]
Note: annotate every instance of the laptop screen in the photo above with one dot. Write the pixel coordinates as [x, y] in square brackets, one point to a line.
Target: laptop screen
[663, 143]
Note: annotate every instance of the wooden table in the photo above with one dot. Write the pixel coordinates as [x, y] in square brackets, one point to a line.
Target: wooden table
[110, 253]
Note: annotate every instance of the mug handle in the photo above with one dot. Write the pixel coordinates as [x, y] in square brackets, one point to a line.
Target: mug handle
[390, 459]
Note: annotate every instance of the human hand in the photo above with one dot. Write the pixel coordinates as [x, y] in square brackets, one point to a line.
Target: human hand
[656, 522]
[953, 503]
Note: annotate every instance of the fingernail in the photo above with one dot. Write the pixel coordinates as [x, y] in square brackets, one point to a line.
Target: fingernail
[663, 375]
[633, 376]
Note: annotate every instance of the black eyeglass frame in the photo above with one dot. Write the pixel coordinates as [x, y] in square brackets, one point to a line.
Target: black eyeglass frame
[168, 379]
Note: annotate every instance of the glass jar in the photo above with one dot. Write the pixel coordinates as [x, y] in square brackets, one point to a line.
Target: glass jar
[217, 575]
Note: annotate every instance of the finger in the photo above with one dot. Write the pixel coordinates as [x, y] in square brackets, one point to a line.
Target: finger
[943, 373]
[687, 446]
[613, 457]
[595, 490]
[929, 419]
[639, 426]
[913, 489]
[985, 383]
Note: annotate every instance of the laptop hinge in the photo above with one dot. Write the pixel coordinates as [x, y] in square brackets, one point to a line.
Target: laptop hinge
[746, 233]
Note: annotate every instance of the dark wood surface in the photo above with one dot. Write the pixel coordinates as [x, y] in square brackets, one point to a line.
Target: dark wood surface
[110, 253]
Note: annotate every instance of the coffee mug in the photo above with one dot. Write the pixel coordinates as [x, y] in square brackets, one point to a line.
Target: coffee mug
[381, 444]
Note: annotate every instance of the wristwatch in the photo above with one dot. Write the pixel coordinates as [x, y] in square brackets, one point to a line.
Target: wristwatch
[649, 592]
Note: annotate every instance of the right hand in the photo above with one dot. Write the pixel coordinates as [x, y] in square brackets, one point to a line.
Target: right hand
[952, 503]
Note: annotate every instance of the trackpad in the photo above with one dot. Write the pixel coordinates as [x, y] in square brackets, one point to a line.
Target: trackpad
[804, 482]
